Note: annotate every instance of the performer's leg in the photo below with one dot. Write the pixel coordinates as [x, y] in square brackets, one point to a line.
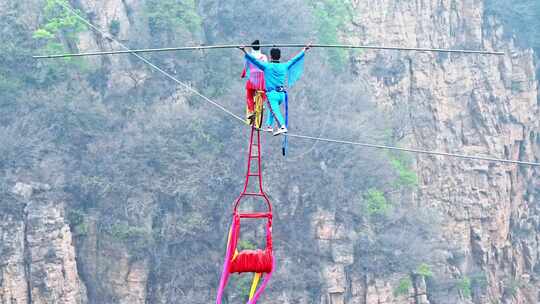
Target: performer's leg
[249, 100]
[269, 114]
[269, 119]
[275, 98]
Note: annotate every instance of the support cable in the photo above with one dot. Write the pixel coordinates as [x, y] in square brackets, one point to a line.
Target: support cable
[127, 50]
[417, 151]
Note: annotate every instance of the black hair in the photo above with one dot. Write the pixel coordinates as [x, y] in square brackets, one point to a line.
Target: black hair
[255, 45]
[275, 54]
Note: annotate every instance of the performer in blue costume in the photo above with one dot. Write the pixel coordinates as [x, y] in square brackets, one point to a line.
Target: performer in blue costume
[274, 76]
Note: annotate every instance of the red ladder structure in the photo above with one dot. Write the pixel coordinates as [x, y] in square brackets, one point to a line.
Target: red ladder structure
[254, 154]
[259, 261]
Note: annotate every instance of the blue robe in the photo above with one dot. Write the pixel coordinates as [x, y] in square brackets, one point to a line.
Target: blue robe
[274, 76]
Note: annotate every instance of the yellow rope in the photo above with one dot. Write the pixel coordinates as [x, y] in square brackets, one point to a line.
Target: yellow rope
[256, 279]
[235, 249]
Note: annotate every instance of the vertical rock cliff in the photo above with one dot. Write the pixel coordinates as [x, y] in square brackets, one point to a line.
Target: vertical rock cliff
[39, 263]
[470, 104]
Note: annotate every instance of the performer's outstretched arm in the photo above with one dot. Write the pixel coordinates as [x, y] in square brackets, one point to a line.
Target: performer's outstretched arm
[295, 59]
[261, 65]
[298, 56]
[295, 67]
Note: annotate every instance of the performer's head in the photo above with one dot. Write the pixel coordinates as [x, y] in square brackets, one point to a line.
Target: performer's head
[255, 45]
[275, 54]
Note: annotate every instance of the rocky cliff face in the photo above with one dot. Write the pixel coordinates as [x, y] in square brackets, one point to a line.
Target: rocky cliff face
[484, 105]
[487, 250]
[38, 256]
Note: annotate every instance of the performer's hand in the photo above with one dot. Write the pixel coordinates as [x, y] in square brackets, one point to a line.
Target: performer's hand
[308, 46]
[242, 48]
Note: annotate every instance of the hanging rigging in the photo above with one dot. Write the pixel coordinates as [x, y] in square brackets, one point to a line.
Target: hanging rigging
[260, 262]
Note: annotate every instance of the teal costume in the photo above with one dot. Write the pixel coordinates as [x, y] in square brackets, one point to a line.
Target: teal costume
[274, 76]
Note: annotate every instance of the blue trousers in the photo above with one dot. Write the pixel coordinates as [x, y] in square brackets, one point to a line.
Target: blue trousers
[275, 99]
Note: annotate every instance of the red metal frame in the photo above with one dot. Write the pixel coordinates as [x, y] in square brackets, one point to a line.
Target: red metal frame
[255, 133]
[237, 216]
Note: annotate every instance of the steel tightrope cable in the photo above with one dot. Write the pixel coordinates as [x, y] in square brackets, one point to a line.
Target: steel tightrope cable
[281, 45]
[300, 136]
